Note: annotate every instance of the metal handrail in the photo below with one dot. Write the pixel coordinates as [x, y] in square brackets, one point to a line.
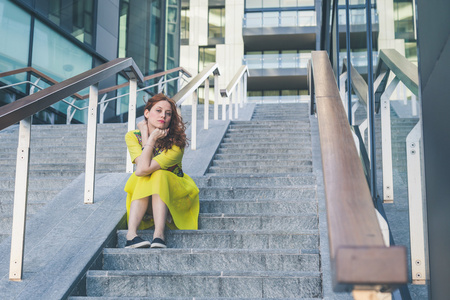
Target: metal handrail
[190, 90]
[358, 253]
[405, 70]
[238, 81]
[23, 109]
[31, 104]
[48, 79]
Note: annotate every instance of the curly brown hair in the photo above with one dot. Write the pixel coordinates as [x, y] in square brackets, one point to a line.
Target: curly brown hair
[176, 127]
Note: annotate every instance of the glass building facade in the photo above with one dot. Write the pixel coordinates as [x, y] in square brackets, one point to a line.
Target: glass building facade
[64, 38]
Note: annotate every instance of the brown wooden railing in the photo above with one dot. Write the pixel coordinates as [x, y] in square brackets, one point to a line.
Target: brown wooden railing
[359, 257]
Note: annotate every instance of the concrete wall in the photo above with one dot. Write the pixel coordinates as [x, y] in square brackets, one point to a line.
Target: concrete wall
[434, 60]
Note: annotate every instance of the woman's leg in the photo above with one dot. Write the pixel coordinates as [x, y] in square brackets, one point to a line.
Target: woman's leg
[159, 216]
[138, 208]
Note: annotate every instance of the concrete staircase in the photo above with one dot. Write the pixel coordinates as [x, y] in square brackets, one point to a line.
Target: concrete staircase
[57, 156]
[258, 227]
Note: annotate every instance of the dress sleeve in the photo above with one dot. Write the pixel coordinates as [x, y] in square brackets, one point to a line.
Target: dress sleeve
[133, 145]
[170, 157]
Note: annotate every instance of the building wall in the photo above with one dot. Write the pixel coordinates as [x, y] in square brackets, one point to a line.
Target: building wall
[228, 55]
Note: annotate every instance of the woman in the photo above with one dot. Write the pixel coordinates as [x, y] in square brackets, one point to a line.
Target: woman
[158, 191]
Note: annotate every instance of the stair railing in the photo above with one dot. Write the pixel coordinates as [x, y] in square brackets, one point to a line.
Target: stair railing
[238, 87]
[72, 107]
[405, 72]
[22, 111]
[358, 253]
[191, 91]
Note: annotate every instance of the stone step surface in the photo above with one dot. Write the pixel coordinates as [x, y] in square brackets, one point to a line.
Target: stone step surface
[258, 225]
[204, 284]
[210, 259]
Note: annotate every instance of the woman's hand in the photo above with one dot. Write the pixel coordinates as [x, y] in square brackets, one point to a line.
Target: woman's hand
[143, 128]
[158, 134]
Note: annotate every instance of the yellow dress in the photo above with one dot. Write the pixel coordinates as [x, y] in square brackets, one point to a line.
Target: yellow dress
[178, 191]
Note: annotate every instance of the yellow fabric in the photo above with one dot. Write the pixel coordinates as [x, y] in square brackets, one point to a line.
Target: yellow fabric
[180, 194]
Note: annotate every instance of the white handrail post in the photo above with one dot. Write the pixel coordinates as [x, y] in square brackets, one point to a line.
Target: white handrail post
[241, 91]
[417, 206]
[224, 108]
[216, 96]
[131, 117]
[238, 99]
[103, 106]
[91, 145]
[20, 201]
[230, 107]
[245, 86]
[386, 148]
[194, 120]
[206, 104]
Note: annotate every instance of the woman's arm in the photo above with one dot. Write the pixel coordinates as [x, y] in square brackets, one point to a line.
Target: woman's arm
[145, 165]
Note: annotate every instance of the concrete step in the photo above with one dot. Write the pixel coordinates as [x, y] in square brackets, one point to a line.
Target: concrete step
[70, 173]
[255, 180]
[37, 183]
[212, 284]
[260, 193]
[275, 169]
[266, 221]
[261, 163]
[256, 150]
[257, 123]
[201, 260]
[74, 154]
[42, 195]
[283, 131]
[275, 145]
[229, 155]
[256, 206]
[256, 139]
[112, 166]
[233, 239]
[32, 207]
[65, 148]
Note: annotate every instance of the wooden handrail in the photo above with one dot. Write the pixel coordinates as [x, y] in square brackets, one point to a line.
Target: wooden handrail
[31, 104]
[358, 254]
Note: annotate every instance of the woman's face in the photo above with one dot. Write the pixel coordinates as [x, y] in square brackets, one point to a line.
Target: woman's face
[159, 115]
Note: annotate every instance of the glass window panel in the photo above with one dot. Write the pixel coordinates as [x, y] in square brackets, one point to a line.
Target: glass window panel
[271, 61]
[207, 55]
[253, 61]
[60, 59]
[271, 3]
[14, 26]
[216, 25]
[253, 20]
[271, 93]
[270, 19]
[185, 23]
[288, 3]
[305, 2]
[288, 18]
[306, 18]
[253, 3]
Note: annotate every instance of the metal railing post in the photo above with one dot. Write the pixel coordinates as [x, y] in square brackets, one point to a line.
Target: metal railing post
[20, 201]
[236, 102]
[230, 106]
[206, 105]
[131, 117]
[417, 206]
[386, 141]
[91, 145]
[194, 120]
[245, 86]
[224, 109]
[216, 96]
